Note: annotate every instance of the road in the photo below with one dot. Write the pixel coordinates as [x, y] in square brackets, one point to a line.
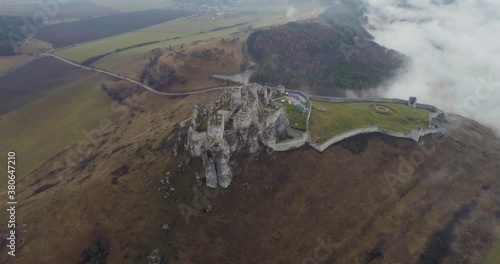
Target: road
[133, 81]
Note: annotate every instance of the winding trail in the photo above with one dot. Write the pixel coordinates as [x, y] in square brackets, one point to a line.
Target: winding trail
[134, 81]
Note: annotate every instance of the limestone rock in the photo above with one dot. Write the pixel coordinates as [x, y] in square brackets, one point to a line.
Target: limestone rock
[154, 257]
[253, 115]
[210, 173]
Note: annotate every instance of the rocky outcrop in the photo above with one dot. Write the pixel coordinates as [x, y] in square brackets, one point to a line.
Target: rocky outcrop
[215, 137]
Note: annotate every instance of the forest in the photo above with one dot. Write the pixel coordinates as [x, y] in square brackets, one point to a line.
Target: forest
[320, 57]
[327, 56]
[10, 34]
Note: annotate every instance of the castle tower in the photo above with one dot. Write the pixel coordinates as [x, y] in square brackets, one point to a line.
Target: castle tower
[281, 90]
[194, 117]
[235, 97]
[267, 95]
[215, 129]
[412, 102]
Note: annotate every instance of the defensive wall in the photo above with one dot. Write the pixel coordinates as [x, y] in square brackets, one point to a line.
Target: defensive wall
[415, 134]
[294, 132]
[381, 100]
[287, 145]
[310, 104]
[355, 100]
[271, 118]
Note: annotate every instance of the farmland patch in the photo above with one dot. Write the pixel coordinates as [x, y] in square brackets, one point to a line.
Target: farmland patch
[45, 75]
[67, 34]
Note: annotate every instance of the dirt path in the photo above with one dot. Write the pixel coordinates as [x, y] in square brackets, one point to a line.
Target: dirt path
[134, 81]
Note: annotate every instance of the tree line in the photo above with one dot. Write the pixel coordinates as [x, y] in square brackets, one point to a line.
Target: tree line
[11, 33]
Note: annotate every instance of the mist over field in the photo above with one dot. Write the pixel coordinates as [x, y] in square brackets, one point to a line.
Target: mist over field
[454, 50]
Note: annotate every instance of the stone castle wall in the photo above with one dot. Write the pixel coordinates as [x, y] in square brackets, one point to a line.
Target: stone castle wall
[235, 96]
[428, 107]
[216, 145]
[415, 135]
[354, 100]
[242, 120]
[197, 142]
[269, 120]
[294, 132]
[288, 144]
[215, 129]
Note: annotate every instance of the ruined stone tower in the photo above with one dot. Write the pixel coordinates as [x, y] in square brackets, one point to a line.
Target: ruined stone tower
[235, 97]
[215, 129]
[412, 102]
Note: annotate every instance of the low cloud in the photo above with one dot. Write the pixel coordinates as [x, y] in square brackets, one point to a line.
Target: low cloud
[455, 53]
[309, 9]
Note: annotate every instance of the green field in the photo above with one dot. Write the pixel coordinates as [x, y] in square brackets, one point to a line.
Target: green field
[342, 117]
[39, 130]
[85, 30]
[172, 33]
[184, 30]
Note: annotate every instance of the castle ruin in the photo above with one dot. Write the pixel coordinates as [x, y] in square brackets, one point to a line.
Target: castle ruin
[244, 119]
[236, 122]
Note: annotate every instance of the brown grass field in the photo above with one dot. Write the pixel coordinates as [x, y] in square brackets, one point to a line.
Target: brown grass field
[62, 118]
[8, 63]
[191, 66]
[45, 76]
[278, 206]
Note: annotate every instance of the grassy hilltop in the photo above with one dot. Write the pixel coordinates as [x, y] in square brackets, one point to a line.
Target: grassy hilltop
[341, 117]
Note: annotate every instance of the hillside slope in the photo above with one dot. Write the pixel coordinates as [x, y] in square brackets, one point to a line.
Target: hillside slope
[280, 208]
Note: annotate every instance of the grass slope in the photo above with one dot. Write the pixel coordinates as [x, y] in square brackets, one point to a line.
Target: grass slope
[45, 75]
[341, 117]
[39, 130]
[193, 68]
[10, 62]
[284, 205]
[115, 59]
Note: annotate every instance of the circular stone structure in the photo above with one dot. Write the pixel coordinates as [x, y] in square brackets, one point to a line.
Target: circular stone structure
[382, 109]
